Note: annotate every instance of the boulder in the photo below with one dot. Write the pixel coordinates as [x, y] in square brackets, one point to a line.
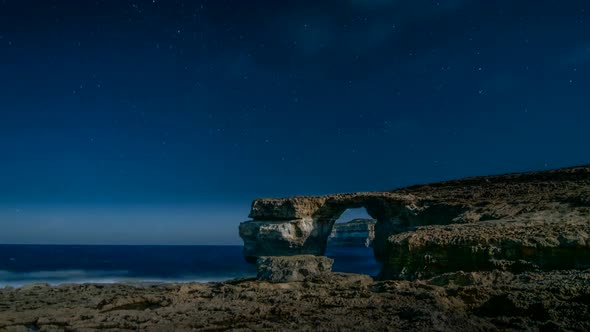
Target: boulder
[292, 268]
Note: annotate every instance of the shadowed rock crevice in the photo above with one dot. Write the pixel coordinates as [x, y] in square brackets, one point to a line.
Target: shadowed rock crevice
[435, 228]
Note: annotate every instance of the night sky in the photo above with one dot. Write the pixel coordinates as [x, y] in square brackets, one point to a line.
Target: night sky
[159, 121]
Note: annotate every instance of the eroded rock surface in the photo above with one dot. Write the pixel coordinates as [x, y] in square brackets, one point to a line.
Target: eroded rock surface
[355, 233]
[484, 301]
[484, 246]
[302, 225]
[292, 268]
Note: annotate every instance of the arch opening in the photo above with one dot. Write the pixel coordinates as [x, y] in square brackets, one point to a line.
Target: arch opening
[352, 214]
[350, 243]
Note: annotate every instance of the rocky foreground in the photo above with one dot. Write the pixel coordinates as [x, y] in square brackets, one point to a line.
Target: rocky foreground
[483, 301]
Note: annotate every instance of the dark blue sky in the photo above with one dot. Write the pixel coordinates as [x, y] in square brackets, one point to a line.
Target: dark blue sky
[159, 121]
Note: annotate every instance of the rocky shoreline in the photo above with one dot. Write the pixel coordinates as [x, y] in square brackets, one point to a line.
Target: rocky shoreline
[508, 252]
[459, 301]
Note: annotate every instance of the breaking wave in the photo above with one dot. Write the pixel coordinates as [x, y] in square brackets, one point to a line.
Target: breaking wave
[19, 279]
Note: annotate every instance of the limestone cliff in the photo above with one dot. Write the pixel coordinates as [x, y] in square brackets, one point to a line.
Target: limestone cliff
[476, 223]
[355, 233]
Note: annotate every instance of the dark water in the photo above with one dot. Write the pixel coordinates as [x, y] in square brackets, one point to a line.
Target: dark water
[24, 264]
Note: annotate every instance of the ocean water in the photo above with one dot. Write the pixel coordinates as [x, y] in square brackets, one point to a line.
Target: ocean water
[58, 264]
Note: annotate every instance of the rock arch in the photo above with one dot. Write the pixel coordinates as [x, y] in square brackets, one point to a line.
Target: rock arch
[517, 221]
[302, 225]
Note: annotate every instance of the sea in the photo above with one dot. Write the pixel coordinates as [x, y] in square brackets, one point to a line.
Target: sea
[61, 264]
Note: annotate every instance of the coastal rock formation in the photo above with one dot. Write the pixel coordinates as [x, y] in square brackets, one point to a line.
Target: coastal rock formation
[481, 301]
[302, 225]
[292, 268]
[355, 233]
[484, 246]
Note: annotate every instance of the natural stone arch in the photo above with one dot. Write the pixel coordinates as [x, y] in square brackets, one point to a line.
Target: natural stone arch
[539, 218]
[326, 216]
[302, 225]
